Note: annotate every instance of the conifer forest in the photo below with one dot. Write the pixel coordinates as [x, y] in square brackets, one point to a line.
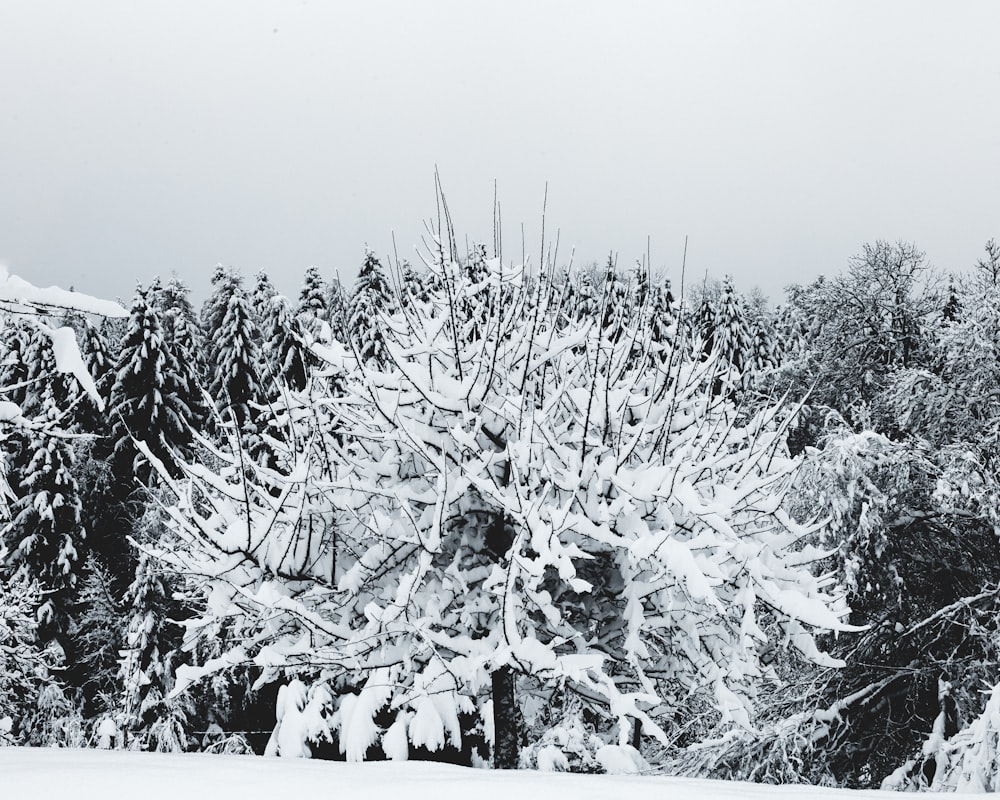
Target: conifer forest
[586, 518]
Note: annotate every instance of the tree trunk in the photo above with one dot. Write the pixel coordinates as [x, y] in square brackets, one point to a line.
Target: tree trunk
[506, 721]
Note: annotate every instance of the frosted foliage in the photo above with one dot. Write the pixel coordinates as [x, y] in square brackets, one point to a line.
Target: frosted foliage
[866, 484]
[40, 541]
[570, 745]
[300, 720]
[530, 496]
[23, 666]
[967, 762]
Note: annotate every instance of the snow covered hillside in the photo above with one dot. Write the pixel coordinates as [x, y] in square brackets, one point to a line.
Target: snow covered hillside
[85, 774]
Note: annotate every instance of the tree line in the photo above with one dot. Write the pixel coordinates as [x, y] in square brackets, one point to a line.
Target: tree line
[538, 517]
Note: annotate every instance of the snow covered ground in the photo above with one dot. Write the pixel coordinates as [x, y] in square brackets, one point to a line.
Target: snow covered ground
[85, 774]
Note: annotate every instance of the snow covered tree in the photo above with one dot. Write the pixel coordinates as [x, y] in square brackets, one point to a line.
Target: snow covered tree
[525, 513]
[920, 570]
[987, 274]
[95, 640]
[225, 283]
[586, 297]
[43, 540]
[41, 377]
[663, 316]
[865, 325]
[24, 665]
[763, 355]
[311, 309]
[285, 358]
[235, 384]
[414, 283]
[704, 324]
[370, 299]
[791, 333]
[99, 361]
[153, 400]
[731, 337]
[616, 301]
[261, 298]
[152, 719]
[17, 336]
[183, 336]
[338, 304]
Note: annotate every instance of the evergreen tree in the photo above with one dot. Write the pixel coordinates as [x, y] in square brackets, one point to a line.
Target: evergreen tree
[586, 301]
[763, 355]
[43, 541]
[225, 283]
[261, 299]
[414, 283]
[663, 315]
[235, 384]
[42, 379]
[182, 334]
[104, 497]
[791, 334]
[17, 336]
[152, 719]
[312, 310]
[95, 636]
[371, 298]
[338, 304]
[616, 302]
[153, 399]
[732, 340]
[88, 418]
[24, 665]
[705, 323]
[953, 306]
[285, 358]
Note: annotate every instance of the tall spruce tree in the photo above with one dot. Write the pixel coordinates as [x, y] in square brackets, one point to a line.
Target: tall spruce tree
[371, 298]
[225, 282]
[705, 323]
[285, 359]
[338, 303]
[235, 384]
[261, 298]
[104, 496]
[732, 339]
[312, 309]
[153, 398]
[181, 329]
[43, 542]
[152, 720]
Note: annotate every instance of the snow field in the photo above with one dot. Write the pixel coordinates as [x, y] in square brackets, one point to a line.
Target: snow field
[100, 775]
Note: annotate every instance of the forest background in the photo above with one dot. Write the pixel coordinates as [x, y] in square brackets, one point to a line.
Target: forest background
[565, 518]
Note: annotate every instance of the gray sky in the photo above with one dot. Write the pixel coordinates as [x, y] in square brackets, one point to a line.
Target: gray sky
[138, 138]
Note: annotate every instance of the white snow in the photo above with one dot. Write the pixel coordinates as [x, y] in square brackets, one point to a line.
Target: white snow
[9, 412]
[15, 290]
[101, 774]
[69, 359]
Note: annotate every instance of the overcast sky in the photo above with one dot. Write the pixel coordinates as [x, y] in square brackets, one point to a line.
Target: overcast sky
[138, 138]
